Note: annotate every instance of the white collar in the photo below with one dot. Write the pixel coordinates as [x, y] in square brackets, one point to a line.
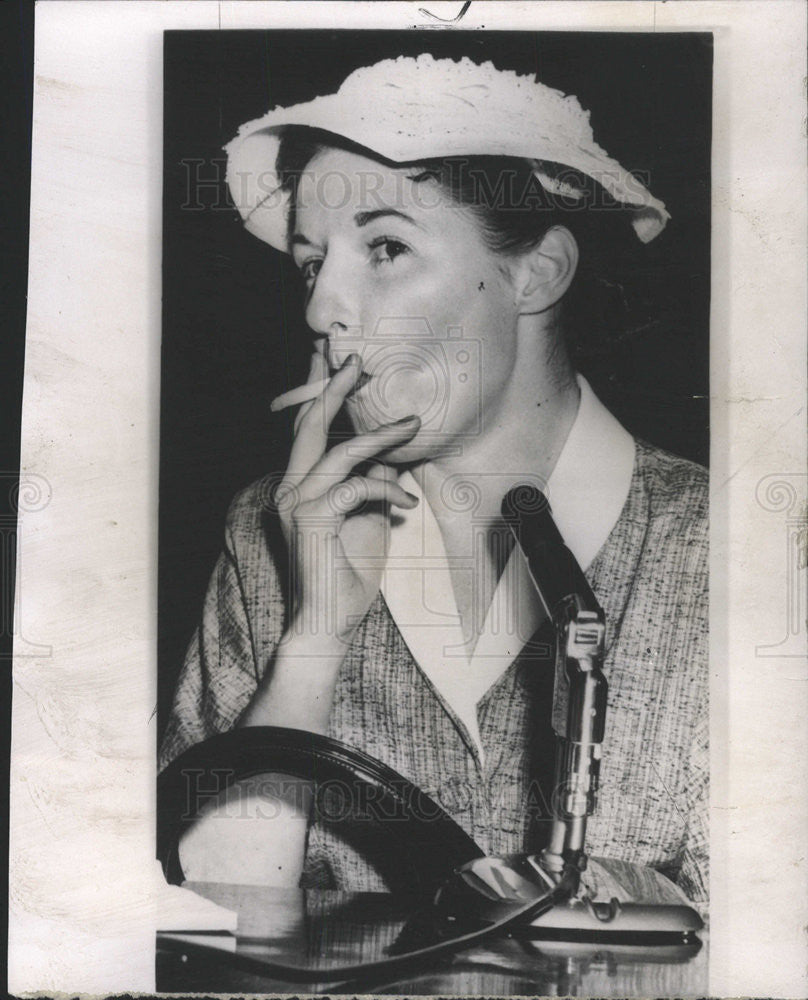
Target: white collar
[590, 482]
[587, 490]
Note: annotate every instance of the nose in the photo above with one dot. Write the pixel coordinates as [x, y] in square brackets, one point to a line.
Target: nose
[338, 343]
[331, 311]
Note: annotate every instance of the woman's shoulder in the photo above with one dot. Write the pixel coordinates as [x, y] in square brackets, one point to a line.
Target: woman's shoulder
[252, 504]
[671, 483]
[668, 507]
[658, 551]
[255, 548]
[252, 518]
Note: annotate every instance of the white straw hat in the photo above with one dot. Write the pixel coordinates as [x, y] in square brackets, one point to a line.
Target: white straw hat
[407, 110]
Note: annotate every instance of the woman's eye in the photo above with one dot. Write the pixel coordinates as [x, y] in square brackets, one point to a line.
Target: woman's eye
[310, 268]
[385, 250]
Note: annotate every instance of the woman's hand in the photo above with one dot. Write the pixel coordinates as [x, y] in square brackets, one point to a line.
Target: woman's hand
[335, 521]
[336, 526]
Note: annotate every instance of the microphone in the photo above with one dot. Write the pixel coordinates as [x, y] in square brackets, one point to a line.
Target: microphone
[580, 688]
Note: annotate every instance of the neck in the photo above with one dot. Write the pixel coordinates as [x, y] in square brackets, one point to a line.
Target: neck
[520, 441]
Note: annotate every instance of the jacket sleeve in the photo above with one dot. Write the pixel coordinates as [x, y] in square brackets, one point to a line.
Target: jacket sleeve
[242, 621]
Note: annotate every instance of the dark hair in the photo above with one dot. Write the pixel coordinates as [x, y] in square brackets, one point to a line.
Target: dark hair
[514, 211]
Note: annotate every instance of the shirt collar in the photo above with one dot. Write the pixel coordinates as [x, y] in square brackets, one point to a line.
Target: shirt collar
[590, 482]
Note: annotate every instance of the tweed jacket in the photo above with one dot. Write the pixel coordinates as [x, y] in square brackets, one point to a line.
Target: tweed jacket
[650, 577]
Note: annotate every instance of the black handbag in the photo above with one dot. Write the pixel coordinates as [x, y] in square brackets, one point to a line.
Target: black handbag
[366, 800]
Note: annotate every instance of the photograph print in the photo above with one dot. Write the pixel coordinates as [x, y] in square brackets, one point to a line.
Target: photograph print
[433, 564]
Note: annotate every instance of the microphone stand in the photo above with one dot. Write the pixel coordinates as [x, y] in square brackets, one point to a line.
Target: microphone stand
[485, 886]
[580, 688]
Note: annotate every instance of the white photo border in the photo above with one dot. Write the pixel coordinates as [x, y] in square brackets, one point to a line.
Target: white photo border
[83, 910]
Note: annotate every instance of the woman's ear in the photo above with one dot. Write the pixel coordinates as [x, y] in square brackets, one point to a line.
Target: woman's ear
[543, 274]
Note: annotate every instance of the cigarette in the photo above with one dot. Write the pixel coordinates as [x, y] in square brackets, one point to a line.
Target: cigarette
[302, 394]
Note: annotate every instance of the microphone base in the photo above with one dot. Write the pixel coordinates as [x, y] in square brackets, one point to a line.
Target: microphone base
[651, 921]
[485, 889]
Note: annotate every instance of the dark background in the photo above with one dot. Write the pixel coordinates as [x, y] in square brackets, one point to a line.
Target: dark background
[233, 330]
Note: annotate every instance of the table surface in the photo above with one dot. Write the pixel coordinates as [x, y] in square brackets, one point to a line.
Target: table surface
[319, 929]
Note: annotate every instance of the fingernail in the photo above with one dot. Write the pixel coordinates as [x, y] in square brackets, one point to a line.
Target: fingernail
[352, 359]
[405, 420]
[412, 496]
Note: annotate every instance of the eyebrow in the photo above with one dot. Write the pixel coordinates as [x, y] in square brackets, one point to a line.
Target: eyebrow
[364, 218]
[298, 239]
[361, 219]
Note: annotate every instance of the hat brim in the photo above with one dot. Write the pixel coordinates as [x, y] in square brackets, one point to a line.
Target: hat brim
[405, 126]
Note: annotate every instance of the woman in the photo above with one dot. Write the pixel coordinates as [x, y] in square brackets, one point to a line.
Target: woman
[370, 592]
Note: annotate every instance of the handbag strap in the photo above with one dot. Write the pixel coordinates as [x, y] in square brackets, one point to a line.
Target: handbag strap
[413, 842]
